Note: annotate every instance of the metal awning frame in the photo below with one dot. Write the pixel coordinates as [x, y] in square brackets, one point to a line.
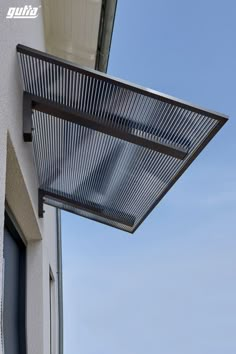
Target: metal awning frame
[32, 102]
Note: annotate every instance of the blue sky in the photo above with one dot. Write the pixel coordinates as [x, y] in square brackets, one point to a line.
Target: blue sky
[171, 287]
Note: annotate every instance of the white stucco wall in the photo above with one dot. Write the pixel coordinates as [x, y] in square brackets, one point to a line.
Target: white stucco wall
[18, 181]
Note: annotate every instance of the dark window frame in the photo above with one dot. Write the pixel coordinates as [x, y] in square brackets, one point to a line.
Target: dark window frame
[10, 225]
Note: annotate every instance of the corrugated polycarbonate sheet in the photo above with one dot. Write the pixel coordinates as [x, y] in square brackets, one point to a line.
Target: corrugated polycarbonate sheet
[107, 178]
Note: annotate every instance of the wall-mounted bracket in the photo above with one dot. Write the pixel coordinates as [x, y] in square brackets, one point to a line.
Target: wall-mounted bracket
[27, 117]
[41, 195]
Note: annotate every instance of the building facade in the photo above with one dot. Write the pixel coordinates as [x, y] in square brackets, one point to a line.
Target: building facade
[30, 247]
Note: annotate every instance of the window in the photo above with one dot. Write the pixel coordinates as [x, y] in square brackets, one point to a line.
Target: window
[14, 253]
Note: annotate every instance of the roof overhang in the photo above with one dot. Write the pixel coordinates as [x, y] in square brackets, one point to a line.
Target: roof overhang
[80, 30]
[104, 148]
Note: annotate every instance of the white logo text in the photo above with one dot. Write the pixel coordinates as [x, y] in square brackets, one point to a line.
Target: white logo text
[23, 12]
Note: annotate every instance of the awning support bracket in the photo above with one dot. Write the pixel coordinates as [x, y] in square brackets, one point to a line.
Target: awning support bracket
[126, 219]
[27, 117]
[78, 117]
[41, 195]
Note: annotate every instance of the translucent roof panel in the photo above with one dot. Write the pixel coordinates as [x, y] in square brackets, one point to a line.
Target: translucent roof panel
[104, 148]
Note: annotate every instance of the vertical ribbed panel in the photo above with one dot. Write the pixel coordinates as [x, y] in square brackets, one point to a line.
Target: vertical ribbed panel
[118, 179]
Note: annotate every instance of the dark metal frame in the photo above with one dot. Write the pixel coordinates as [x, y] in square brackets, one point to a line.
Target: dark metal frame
[31, 102]
[127, 220]
[118, 82]
[183, 169]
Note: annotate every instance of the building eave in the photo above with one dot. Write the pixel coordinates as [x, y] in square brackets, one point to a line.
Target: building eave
[107, 20]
